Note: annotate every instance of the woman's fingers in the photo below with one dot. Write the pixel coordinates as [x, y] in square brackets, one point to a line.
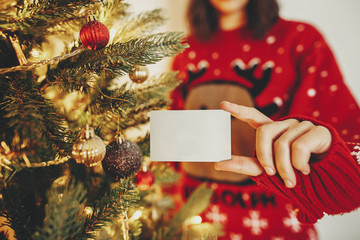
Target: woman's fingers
[246, 114]
[283, 150]
[265, 138]
[240, 164]
[280, 146]
[317, 141]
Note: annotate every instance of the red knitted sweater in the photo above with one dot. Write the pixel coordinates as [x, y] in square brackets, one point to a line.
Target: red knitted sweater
[290, 72]
[333, 186]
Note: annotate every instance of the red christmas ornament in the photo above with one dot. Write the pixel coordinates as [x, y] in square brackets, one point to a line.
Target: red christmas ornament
[144, 180]
[94, 35]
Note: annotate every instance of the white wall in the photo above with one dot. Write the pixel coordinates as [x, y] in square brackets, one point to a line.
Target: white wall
[339, 21]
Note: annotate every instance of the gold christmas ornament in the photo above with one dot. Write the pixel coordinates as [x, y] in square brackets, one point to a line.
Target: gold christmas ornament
[139, 74]
[89, 149]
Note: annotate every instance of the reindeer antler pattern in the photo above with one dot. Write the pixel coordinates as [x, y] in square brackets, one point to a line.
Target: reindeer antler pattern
[258, 84]
[247, 72]
[194, 73]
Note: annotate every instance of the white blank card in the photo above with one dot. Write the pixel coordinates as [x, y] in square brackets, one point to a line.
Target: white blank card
[190, 135]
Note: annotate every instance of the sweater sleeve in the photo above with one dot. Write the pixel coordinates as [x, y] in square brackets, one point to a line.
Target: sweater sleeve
[332, 187]
[322, 92]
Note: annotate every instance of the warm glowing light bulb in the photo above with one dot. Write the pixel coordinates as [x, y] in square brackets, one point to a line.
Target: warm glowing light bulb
[136, 215]
[193, 220]
[112, 33]
[88, 210]
[35, 53]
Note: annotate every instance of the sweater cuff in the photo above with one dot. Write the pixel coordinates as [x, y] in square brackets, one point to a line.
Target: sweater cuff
[332, 187]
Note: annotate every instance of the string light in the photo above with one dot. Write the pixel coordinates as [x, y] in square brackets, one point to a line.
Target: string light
[136, 215]
[193, 220]
[88, 211]
[35, 53]
[112, 33]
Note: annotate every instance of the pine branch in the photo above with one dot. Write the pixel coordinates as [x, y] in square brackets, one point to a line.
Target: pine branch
[196, 203]
[149, 49]
[43, 15]
[155, 94]
[135, 230]
[141, 24]
[165, 174]
[30, 122]
[110, 206]
[110, 10]
[144, 144]
[7, 10]
[64, 218]
[115, 231]
[115, 101]
[12, 208]
[114, 60]
[151, 95]
[126, 108]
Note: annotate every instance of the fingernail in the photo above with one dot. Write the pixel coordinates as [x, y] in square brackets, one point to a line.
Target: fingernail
[217, 166]
[269, 170]
[289, 183]
[307, 171]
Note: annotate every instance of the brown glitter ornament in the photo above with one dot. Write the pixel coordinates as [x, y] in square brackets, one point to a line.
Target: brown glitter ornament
[89, 149]
[139, 74]
[122, 159]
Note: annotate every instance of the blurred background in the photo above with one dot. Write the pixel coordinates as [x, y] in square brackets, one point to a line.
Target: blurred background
[339, 22]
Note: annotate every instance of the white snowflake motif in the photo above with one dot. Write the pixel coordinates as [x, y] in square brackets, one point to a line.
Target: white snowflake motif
[277, 238]
[291, 221]
[256, 223]
[216, 216]
[356, 153]
[235, 236]
[312, 234]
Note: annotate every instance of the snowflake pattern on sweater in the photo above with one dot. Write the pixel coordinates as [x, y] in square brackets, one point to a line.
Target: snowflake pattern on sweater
[250, 212]
[255, 222]
[355, 150]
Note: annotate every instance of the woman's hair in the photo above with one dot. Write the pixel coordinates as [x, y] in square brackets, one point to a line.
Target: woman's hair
[203, 17]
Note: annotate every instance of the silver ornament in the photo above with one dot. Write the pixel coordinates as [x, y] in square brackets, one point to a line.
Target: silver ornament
[89, 149]
[139, 74]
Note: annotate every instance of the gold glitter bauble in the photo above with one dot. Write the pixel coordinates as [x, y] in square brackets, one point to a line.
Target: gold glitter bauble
[139, 74]
[89, 149]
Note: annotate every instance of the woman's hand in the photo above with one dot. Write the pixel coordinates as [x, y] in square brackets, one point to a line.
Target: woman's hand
[280, 145]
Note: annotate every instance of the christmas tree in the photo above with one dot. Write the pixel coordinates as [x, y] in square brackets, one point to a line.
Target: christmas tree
[75, 96]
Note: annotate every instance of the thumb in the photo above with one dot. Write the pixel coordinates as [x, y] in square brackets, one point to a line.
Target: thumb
[240, 164]
[249, 115]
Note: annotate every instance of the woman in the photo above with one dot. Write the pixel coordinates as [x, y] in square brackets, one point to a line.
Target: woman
[241, 51]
